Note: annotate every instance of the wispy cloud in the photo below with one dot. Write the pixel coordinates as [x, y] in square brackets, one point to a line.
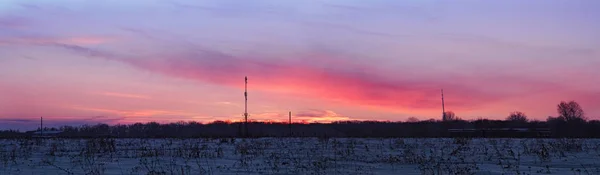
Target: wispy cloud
[134, 113]
[378, 57]
[226, 103]
[79, 40]
[103, 118]
[321, 116]
[124, 95]
[86, 51]
[266, 116]
[344, 82]
[15, 120]
[310, 116]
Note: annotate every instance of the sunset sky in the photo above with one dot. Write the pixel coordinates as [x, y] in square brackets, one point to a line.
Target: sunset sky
[116, 61]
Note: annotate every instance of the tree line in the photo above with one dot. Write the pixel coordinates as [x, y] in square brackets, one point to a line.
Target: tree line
[570, 122]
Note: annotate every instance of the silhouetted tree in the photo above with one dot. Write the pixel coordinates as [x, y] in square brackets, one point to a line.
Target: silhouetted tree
[450, 116]
[570, 123]
[555, 119]
[517, 117]
[425, 128]
[570, 111]
[412, 120]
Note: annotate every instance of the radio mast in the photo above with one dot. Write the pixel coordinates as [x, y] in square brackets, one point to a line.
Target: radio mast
[443, 108]
[246, 105]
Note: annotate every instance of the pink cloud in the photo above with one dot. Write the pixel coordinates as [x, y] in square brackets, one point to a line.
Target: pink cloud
[303, 116]
[320, 116]
[123, 95]
[134, 113]
[88, 40]
[332, 78]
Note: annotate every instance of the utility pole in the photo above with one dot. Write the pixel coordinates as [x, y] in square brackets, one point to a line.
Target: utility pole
[246, 105]
[443, 108]
[41, 126]
[290, 123]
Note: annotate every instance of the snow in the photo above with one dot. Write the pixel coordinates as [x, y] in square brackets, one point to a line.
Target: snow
[300, 156]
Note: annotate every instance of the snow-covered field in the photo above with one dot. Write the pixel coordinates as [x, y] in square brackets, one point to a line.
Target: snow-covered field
[300, 156]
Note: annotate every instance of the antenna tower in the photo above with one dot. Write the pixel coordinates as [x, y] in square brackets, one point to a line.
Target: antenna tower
[246, 105]
[443, 108]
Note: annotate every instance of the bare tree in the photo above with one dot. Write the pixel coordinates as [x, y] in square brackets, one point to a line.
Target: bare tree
[517, 117]
[412, 120]
[570, 111]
